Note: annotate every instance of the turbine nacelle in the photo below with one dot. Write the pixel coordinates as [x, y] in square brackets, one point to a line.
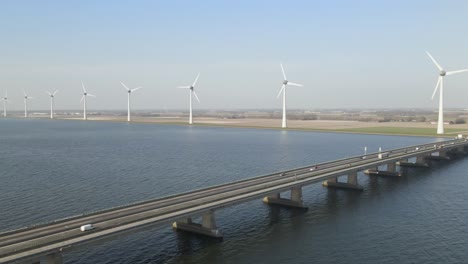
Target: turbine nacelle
[442, 73]
[52, 95]
[285, 82]
[129, 91]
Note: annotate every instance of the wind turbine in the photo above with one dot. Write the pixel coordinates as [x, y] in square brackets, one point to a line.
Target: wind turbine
[83, 99]
[5, 101]
[440, 83]
[129, 91]
[192, 91]
[26, 97]
[52, 95]
[283, 90]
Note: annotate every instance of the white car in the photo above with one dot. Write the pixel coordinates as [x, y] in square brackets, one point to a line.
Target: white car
[86, 227]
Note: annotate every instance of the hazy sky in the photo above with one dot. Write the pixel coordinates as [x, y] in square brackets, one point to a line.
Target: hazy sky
[359, 54]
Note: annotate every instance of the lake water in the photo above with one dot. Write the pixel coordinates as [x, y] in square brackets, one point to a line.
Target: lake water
[51, 169]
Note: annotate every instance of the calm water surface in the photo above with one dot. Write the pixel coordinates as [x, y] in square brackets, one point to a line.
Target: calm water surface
[55, 169]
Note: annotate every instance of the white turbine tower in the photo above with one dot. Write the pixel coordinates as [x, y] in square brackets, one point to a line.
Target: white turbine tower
[83, 99]
[283, 90]
[52, 96]
[26, 97]
[5, 101]
[129, 91]
[440, 83]
[192, 91]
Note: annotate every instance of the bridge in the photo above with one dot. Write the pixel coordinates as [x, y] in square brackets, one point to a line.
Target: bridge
[46, 243]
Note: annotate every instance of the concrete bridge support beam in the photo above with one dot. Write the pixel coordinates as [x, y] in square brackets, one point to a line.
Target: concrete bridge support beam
[458, 151]
[443, 153]
[420, 163]
[437, 157]
[274, 196]
[294, 201]
[352, 182]
[54, 258]
[207, 227]
[421, 160]
[391, 171]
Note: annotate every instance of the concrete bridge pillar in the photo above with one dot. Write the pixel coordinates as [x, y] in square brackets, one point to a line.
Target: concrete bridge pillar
[275, 196]
[443, 153]
[420, 162]
[294, 201]
[421, 159]
[352, 182]
[390, 171]
[352, 178]
[208, 220]
[54, 258]
[207, 227]
[457, 151]
[333, 180]
[296, 194]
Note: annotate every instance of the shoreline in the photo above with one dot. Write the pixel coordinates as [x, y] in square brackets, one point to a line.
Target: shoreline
[419, 129]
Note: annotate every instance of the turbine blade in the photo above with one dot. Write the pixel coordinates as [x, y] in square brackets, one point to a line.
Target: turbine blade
[433, 60]
[82, 85]
[295, 84]
[282, 88]
[183, 87]
[82, 98]
[196, 79]
[455, 72]
[56, 92]
[48, 92]
[134, 89]
[123, 84]
[92, 95]
[282, 69]
[194, 93]
[24, 92]
[437, 86]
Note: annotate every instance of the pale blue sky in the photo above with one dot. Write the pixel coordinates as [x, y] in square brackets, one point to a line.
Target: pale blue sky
[359, 54]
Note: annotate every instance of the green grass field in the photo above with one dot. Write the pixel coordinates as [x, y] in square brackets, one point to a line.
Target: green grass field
[413, 131]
